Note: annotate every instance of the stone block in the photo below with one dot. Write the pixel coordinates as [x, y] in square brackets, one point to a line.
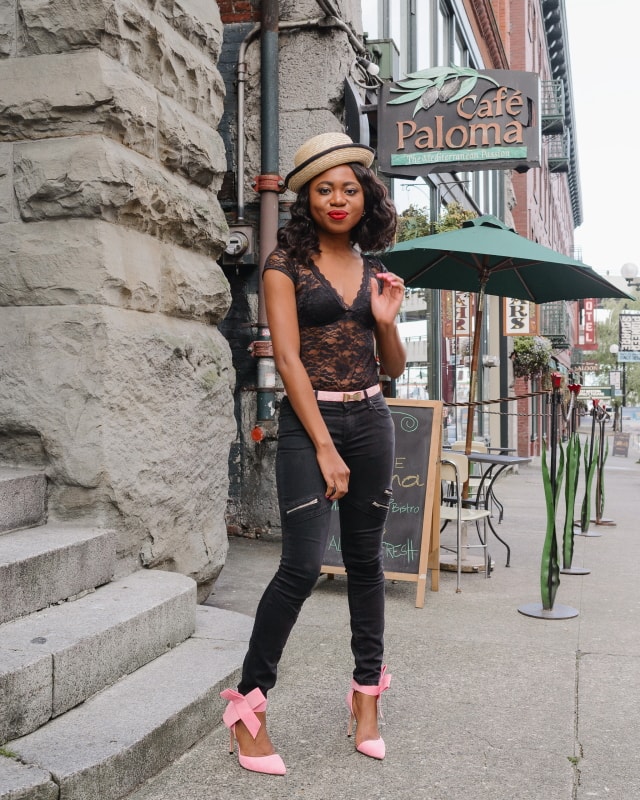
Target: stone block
[26, 691]
[20, 781]
[160, 55]
[47, 27]
[188, 146]
[81, 262]
[164, 49]
[51, 563]
[104, 748]
[7, 29]
[23, 499]
[192, 286]
[87, 92]
[6, 182]
[135, 412]
[77, 262]
[197, 20]
[77, 93]
[48, 662]
[92, 176]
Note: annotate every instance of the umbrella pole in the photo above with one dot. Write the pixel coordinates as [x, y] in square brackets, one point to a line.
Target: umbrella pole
[473, 380]
[475, 357]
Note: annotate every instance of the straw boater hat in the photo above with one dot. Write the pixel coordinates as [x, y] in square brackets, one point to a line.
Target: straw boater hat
[322, 152]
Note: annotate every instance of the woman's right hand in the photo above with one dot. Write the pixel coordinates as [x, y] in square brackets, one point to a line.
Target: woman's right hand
[285, 336]
[334, 471]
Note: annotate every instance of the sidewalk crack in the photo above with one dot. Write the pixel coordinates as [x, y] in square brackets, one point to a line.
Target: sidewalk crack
[578, 752]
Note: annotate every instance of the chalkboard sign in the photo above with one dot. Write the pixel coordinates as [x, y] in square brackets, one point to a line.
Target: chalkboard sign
[621, 444]
[411, 537]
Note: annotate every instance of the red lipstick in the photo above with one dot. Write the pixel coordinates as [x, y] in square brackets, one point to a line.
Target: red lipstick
[338, 214]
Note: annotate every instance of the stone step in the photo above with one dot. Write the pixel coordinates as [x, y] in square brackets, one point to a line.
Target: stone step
[23, 498]
[54, 659]
[44, 565]
[112, 743]
[20, 782]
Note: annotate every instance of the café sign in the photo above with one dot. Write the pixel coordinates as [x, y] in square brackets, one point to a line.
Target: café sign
[457, 118]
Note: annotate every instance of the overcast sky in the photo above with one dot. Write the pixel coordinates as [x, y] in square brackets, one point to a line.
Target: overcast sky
[604, 50]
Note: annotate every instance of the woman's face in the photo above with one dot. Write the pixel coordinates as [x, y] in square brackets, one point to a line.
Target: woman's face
[336, 199]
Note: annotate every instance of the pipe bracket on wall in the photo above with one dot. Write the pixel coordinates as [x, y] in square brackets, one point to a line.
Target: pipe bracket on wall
[268, 183]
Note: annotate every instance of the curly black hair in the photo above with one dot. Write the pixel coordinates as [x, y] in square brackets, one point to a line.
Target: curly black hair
[374, 233]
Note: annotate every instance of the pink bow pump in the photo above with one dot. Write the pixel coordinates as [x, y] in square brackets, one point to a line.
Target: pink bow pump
[243, 708]
[374, 748]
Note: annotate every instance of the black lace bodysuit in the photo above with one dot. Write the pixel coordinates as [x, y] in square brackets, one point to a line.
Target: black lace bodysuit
[336, 340]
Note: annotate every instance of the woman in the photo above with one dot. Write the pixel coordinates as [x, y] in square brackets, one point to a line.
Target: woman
[328, 306]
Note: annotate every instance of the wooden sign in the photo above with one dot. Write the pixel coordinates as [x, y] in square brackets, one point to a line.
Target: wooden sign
[411, 539]
[445, 119]
[621, 444]
[520, 317]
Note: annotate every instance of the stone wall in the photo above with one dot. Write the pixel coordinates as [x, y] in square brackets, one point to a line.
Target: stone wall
[114, 376]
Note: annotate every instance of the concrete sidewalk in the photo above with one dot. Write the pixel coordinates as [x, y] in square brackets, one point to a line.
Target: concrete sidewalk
[484, 703]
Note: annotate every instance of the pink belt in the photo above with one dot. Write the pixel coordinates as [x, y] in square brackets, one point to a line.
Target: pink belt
[349, 397]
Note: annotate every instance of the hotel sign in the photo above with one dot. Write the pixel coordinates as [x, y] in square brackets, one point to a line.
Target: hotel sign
[456, 118]
[589, 340]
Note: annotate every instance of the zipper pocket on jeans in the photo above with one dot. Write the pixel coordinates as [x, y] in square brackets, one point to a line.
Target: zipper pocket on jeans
[308, 504]
[376, 504]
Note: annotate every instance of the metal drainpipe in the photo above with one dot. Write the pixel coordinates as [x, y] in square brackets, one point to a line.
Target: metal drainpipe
[242, 73]
[269, 185]
[301, 24]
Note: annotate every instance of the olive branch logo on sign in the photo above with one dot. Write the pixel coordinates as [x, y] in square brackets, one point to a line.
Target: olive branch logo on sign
[443, 84]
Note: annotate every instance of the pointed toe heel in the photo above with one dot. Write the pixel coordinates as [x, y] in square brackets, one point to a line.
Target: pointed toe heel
[243, 708]
[373, 748]
[268, 765]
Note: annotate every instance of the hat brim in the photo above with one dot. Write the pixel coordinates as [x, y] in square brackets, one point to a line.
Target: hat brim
[333, 157]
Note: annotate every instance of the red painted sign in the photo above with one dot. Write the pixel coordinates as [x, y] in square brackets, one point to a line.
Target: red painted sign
[589, 339]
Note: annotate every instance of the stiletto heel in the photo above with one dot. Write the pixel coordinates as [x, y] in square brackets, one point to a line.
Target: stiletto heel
[374, 748]
[243, 708]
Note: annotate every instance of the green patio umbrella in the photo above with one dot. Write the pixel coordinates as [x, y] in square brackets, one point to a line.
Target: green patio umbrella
[487, 257]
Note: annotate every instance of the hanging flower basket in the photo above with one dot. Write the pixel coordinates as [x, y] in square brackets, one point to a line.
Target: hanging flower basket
[531, 356]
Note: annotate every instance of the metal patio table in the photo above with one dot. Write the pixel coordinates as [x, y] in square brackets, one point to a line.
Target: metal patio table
[494, 465]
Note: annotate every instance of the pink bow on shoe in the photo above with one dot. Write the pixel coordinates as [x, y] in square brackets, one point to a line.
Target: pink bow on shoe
[385, 680]
[242, 707]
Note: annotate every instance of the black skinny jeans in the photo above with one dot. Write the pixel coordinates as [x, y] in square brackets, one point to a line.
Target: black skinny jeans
[364, 436]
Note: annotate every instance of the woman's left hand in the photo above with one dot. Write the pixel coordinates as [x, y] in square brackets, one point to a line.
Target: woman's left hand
[386, 304]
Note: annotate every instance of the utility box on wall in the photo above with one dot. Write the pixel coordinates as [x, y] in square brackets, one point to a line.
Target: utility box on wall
[241, 247]
[387, 57]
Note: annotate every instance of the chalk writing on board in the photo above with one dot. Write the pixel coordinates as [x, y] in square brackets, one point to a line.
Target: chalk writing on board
[406, 421]
[395, 508]
[405, 550]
